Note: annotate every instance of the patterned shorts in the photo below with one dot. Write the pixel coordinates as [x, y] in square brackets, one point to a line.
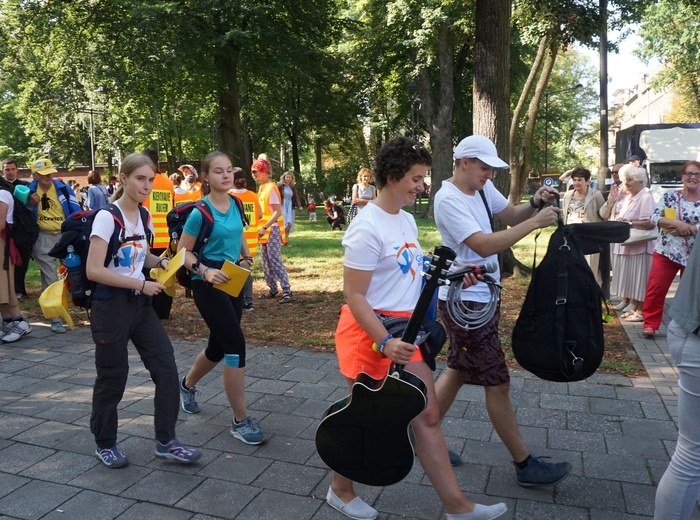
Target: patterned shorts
[476, 354]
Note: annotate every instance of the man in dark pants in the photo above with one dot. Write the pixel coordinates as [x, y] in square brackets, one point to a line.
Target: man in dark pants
[159, 203]
[9, 171]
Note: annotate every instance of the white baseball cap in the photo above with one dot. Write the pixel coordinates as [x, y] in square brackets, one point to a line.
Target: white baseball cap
[479, 147]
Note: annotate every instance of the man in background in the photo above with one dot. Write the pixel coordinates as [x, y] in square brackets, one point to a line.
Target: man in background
[10, 172]
[159, 203]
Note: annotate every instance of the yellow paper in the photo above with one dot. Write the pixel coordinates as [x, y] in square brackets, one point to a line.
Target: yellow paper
[238, 277]
[162, 276]
[669, 213]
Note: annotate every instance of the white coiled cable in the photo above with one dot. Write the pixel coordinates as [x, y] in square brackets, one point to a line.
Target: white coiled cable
[470, 319]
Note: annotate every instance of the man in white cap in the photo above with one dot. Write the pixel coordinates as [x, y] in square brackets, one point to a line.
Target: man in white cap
[465, 207]
[54, 203]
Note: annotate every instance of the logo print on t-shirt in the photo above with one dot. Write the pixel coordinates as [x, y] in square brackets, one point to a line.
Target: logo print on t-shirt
[128, 255]
[405, 257]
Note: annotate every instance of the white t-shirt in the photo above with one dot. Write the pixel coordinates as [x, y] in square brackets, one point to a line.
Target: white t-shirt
[132, 253]
[458, 216]
[7, 198]
[388, 245]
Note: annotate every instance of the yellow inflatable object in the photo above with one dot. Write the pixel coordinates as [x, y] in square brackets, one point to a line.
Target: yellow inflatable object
[54, 302]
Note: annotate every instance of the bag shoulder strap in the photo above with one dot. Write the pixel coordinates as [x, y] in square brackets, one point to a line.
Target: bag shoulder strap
[488, 210]
[241, 210]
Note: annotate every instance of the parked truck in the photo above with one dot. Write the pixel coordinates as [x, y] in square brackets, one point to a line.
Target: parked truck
[663, 149]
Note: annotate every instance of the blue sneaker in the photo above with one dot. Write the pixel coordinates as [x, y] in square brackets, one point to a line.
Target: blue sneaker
[248, 430]
[177, 451]
[541, 473]
[187, 398]
[111, 457]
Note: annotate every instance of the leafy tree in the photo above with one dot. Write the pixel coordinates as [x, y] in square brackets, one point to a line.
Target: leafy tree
[670, 33]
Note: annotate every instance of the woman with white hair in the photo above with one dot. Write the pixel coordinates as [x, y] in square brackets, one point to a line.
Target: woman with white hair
[633, 262]
[609, 211]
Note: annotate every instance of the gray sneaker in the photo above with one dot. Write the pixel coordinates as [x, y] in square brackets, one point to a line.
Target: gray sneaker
[541, 473]
[248, 430]
[187, 398]
[17, 330]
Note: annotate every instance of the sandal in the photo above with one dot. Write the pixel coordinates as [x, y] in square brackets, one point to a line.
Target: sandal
[286, 297]
[648, 332]
[626, 315]
[635, 317]
[268, 295]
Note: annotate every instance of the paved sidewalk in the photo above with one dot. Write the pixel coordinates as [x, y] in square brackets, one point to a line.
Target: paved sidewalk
[616, 431]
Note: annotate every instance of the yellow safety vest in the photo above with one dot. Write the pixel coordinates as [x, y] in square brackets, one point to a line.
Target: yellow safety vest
[159, 203]
[250, 206]
[263, 197]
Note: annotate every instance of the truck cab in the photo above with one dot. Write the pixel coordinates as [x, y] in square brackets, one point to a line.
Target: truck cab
[664, 149]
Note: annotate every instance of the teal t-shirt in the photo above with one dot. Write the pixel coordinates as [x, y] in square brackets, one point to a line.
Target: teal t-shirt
[226, 235]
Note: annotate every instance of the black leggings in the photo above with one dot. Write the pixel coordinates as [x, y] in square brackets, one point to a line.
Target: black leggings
[222, 314]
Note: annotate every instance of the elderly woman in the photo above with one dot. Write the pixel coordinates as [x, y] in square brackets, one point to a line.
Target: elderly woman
[634, 260]
[582, 204]
[677, 215]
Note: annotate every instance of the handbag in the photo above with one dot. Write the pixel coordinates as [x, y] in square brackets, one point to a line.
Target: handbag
[352, 212]
[641, 235]
[431, 332]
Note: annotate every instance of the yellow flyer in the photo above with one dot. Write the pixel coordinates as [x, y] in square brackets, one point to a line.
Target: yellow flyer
[669, 213]
[162, 276]
[238, 277]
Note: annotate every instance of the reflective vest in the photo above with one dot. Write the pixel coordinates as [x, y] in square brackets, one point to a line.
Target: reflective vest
[188, 196]
[159, 203]
[263, 197]
[250, 206]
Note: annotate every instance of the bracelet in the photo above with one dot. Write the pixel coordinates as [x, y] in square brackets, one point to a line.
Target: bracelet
[203, 273]
[532, 203]
[248, 259]
[160, 263]
[380, 348]
[143, 285]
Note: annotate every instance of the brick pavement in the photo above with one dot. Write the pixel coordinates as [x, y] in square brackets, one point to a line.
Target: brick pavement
[617, 432]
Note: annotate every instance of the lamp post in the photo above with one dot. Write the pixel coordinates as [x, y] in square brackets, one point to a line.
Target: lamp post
[546, 120]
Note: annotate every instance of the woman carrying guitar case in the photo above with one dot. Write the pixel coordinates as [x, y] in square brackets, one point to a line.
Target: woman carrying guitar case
[383, 264]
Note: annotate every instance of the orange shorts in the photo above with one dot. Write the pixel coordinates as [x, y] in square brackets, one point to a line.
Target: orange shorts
[354, 348]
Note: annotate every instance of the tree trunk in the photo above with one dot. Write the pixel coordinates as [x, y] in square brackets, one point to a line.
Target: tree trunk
[318, 148]
[491, 92]
[525, 153]
[437, 113]
[230, 110]
[517, 181]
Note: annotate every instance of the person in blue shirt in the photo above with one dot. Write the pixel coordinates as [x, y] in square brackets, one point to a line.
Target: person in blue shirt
[220, 311]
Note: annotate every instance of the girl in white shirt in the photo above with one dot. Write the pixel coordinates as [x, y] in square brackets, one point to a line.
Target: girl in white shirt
[121, 311]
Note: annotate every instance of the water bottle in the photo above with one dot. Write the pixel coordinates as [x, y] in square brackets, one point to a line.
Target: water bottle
[75, 274]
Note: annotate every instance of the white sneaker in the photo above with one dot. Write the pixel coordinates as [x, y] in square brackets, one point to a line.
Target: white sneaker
[5, 328]
[19, 328]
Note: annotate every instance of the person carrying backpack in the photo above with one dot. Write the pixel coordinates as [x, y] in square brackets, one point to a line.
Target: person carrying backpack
[14, 325]
[54, 202]
[220, 311]
[464, 209]
[122, 310]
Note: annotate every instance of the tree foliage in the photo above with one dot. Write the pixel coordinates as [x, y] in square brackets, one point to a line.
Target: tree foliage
[670, 33]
